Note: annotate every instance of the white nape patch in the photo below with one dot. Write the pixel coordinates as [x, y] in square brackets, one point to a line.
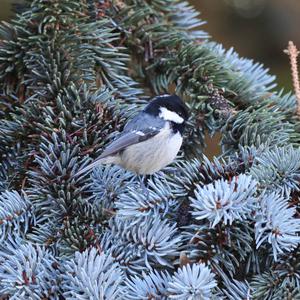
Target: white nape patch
[163, 96]
[168, 115]
[140, 133]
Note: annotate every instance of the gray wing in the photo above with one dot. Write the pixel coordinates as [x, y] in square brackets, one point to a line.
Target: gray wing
[143, 121]
[139, 129]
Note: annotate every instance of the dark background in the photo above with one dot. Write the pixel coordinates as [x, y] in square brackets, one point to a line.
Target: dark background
[258, 29]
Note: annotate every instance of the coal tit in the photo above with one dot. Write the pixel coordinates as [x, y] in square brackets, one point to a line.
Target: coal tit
[151, 140]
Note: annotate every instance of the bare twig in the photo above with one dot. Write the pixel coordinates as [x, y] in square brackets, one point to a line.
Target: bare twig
[293, 53]
[183, 259]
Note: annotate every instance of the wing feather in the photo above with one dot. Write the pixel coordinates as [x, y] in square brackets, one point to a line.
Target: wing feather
[142, 127]
[127, 139]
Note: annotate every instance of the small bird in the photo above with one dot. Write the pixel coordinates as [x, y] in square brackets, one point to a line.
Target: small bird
[150, 141]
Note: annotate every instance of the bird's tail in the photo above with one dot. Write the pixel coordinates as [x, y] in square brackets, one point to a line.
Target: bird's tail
[100, 161]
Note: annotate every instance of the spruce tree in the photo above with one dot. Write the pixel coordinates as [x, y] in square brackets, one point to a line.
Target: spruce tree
[72, 72]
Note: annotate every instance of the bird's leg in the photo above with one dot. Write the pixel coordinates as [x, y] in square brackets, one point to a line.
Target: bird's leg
[143, 180]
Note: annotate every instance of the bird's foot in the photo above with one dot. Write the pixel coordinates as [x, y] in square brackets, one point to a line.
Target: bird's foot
[145, 190]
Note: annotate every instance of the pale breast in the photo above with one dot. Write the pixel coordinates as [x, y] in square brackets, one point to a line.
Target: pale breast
[154, 154]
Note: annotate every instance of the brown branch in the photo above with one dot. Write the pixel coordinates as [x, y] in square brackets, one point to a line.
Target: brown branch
[292, 52]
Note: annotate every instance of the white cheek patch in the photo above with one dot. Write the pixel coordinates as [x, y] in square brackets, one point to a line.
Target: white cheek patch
[170, 116]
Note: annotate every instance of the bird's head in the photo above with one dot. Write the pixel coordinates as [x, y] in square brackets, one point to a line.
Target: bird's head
[169, 108]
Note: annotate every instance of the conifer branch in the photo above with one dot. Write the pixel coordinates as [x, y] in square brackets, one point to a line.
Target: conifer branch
[208, 229]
